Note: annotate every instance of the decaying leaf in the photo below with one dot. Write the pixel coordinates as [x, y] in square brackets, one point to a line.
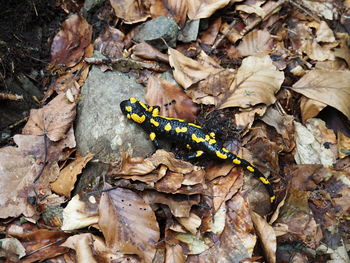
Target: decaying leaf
[128, 223]
[174, 254]
[202, 9]
[177, 9]
[130, 11]
[257, 81]
[173, 101]
[255, 42]
[313, 143]
[11, 249]
[331, 87]
[81, 211]
[53, 120]
[68, 46]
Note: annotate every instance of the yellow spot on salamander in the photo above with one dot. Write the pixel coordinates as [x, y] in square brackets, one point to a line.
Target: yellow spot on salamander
[137, 118]
[195, 125]
[212, 141]
[225, 150]
[221, 155]
[199, 153]
[132, 100]
[264, 180]
[196, 139]
[128, 108]
[143, 105]
[152, 136]
[155, 112]
[236, 161]
[154, 122]
[250, 169]
[167, 127]
[272, 198]
[183, 129]
[170, 119]
[128, 116]
[212, 134]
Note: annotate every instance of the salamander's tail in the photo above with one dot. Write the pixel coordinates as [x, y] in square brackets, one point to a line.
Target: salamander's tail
[259, 175]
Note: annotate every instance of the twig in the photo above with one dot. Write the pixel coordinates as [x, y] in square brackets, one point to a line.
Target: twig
[13, 97]
[219, 40]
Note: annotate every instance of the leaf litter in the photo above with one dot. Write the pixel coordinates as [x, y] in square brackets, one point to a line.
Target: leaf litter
[270, 71]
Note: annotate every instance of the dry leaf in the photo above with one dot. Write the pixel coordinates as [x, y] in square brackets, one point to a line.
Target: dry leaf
[310, 108]
[204, 8]
[343, 145]
[110, 43]
[267, 236]
[311, 147]
[208, 36]
[177, 9]
[18, 169]
[173, 101]
[256, 42]
[80, 212]
[68, 176]
[257, 81]
[128, 223]
[146, 51]
[53, 120]
[331, 87]
[68, 46]
[188, 71]
[191, 223]
[174, 254]
[90, 248]
[11, 249]
[130, 11]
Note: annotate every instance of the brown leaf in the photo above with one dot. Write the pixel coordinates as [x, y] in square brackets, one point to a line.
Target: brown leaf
[327, 86]
[179, 206]
[188, 71]
[68, 46]
[208, 36]
[256, 42]
[90, 248]
[170, 182]
[11, 249]
[68, 175]
[110, 43]
[130, 11]
[257, 81]
[204, 8]
[81, 211]
[53, 120]
[128, 223]
[174, 254]
[177, 9]
[146, 51]
[18, 169]
[191, 222]
[310, 108]
[267, 236]
[173, 101]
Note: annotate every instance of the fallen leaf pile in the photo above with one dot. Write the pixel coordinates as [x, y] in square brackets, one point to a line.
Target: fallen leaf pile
[273, 73]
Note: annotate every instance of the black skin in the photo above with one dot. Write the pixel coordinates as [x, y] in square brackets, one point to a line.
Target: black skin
[186, 134]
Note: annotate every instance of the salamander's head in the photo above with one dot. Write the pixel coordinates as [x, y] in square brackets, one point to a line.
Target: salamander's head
[134, 109]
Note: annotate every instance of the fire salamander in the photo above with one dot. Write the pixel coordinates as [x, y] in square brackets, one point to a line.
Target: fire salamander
[189, 134]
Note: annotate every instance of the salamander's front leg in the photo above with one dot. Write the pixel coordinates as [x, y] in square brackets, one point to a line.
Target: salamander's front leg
[152, 136]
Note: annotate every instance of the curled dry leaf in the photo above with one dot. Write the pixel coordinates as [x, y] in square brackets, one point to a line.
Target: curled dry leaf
[90, 248]
[310, 108]
[174, 254]
[177, 9]
[130, 11]
[204, 8]
[18, 169]
[331, 87]
[68, 175]
[313, 143]
[110, 43]
[191, 223]
[257, 81]
[266, 235]
[80, 212]
[146, 51]
[173, 101]
[128, 223]
[188, 71]
[68, 46]
[179, 206]
[11, 249]
[53, 120]
[256, 42]
[208, 36]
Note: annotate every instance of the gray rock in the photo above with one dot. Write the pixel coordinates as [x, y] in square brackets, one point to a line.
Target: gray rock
[190, 32]
[101, 128]
[154, 31]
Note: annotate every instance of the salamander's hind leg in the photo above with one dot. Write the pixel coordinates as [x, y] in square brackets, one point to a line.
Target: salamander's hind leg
[191, 155]
[155, 142]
